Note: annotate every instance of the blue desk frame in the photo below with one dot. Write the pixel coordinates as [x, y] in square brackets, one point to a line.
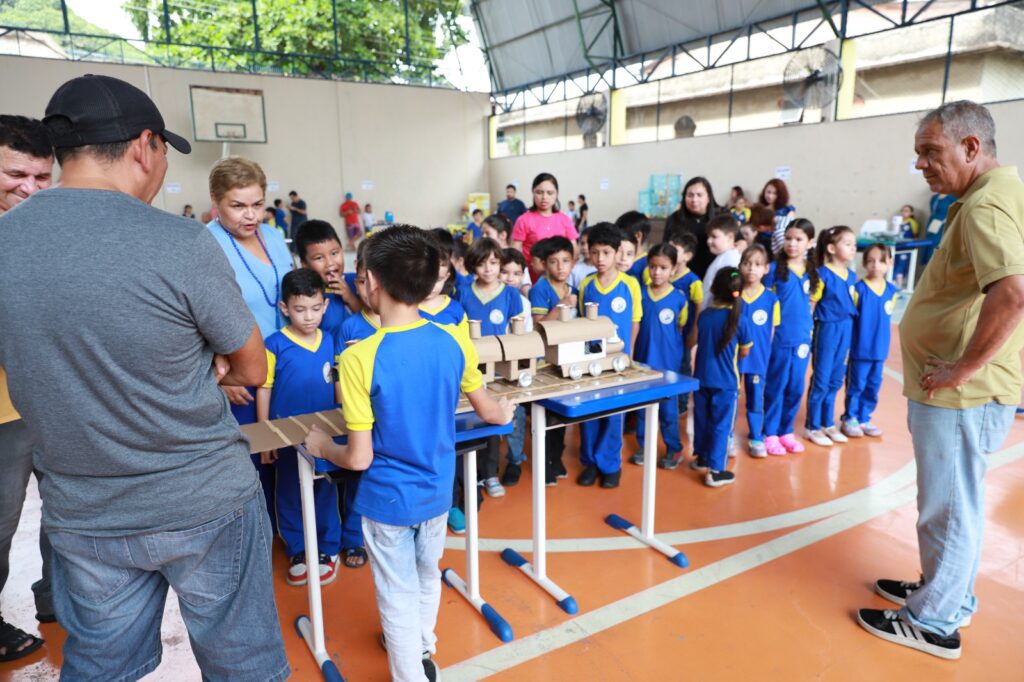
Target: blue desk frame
[581, 407]
[470, 434]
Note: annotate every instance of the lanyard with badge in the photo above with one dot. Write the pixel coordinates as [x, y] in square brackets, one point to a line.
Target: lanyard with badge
[277, 280]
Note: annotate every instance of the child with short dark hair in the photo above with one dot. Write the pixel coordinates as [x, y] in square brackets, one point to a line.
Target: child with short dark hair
[405, 450]
[440, 306]
[494, 304]
[513, 267]
[723, 231]
[498, 227]
[626, 255]
[320, 250]
[762, 314]
[583, 266]
[618, 298]
[299, 381]
[636, 224]
[686, 280]
[473, 228]
[762, 219]
[723, 339]
[876, 300]
[660, 345]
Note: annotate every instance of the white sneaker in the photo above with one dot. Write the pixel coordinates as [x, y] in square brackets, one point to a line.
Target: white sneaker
[852, 428]
[493, 487]
[819, 438]
[836, 435]
[870, 429]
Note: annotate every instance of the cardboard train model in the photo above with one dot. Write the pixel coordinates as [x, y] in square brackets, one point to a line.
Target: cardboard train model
[573, 347]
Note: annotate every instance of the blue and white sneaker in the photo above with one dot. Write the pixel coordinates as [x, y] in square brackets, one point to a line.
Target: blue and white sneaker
[456, 520]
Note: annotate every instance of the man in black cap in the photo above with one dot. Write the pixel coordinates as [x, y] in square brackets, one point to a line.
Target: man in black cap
[119, 320]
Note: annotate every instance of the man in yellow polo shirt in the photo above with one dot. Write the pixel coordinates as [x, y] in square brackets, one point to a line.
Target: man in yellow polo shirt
[961, 337]
[26, 164]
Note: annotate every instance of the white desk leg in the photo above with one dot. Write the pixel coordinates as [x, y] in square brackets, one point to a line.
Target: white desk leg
[646, 533]
[912, 269]
[471, 591]
[538, 571]
[311, 629]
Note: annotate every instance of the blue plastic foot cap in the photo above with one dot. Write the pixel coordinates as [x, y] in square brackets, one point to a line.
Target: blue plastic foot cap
[680, 560]
[331, 673]
[444, 577]
[512, 557]
[299, 620]
[569, 606]
[617, 522]
[499, 626]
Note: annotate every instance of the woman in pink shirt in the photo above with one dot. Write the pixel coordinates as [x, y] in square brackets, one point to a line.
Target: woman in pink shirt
[543, 220]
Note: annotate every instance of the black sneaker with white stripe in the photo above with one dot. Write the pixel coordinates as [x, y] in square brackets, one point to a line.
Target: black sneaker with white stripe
[897, 591]
[889, 626]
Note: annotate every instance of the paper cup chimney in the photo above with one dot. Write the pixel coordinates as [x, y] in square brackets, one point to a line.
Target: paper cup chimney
[591, 311]
[564, 313]
[474, 329]
[518, 325]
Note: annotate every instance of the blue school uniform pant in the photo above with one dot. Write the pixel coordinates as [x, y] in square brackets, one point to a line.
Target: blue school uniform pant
[831, 346]
[289, 509]
[863, 380]
[351, 522]
[668, 424]
[714, 412]
[753, 392]
[601, 443]
[246, 414]
[787, 377]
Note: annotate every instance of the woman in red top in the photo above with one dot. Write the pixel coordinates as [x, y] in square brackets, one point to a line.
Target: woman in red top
[543, 220]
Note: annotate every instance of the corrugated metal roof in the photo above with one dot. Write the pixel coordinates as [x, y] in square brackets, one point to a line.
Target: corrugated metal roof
[532, 40]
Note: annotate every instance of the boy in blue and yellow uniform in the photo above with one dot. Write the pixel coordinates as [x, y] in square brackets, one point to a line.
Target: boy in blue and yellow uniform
[618, 298]
[299, 381]
[690, 283]
[761, 311]
[320, 250]
[660, 345]
[405, 449]
[876, 299]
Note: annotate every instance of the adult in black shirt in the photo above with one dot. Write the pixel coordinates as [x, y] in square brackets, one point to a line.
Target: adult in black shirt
[697, 209]
[298, 212]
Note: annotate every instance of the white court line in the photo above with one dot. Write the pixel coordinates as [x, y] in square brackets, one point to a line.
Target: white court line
[902, 477]
[635, 605]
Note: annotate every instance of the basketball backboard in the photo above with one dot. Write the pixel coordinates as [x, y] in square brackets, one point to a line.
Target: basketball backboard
[227, 114]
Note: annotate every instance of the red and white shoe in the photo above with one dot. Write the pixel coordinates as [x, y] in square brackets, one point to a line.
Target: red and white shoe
[297, 569]
[328, 568]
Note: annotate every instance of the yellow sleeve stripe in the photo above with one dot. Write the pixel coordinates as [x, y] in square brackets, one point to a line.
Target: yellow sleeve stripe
[776, 315]
[634, 290]
[472, 379]
[684, 315]
[697, 291]
[271, 366]
[539, 311]
[356, 375]
[818, 292]
[747, 345]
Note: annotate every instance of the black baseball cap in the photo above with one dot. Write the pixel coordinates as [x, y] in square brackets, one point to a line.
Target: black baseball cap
[95, 109]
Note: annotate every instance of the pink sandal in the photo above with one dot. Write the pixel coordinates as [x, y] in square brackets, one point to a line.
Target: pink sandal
[773, 446]
[791, 444]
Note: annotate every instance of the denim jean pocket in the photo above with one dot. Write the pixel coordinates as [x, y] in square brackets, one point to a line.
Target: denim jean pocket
[995, 426]
[202, 564]
[91, 566]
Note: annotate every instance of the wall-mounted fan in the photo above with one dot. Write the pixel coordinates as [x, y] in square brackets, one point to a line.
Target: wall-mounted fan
[591, 114]
[685, 126]
[812, 79]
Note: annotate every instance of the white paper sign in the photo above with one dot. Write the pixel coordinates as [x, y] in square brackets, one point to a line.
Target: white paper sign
[934, 226]
[783, 172]
[366, 185]
[604, 184]
[273, 185]
[173, 188]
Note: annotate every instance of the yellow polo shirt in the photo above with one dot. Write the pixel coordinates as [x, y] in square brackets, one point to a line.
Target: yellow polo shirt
[983, 243]
[7, 411]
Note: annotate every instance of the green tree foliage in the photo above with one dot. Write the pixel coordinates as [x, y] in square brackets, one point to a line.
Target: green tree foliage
[299, 37]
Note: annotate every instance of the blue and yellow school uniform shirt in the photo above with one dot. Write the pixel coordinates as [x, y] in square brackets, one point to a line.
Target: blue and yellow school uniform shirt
[838, 294]
[299, 374]
[660, 341]
[334, 315]
[463, 281]
[544, 298]
[762, 314]
[356, 328]
[691, 285]
[639, 269]
[719, 369]
[619, 302]
[391, 384]
[871, 328]
[451, 312]
[795, 298]
[500, 306]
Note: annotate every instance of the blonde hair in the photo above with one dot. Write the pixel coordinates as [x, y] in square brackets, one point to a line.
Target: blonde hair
[232, 172]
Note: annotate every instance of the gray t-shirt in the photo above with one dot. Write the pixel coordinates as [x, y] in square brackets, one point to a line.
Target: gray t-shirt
[110, 313]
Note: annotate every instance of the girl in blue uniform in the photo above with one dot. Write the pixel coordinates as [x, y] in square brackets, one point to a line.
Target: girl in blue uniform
[723, 338]
[833, 328]
[796, 285]
[876, 298]
[659, 344]
[761, 313]
[439, 307]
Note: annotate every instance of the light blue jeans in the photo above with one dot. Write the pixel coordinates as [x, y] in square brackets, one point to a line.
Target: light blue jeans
[951, 448]
[404, 561]
[516, 439]
[110, 594]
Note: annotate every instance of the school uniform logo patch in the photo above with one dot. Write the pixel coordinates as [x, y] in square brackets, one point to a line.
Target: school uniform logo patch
[807, 287]
[327, 372]
[497, 317]
[760, 317]
[889, 306]
[619, 304]
[666, 316]
[802, 351]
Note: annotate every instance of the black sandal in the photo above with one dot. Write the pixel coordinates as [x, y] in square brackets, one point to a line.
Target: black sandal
[355, 557]
[12, 641]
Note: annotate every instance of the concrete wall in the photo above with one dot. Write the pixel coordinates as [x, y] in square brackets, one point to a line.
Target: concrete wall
[423, 149]
[842, 172]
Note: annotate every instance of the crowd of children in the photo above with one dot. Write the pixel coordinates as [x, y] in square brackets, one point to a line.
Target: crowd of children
[752, 324]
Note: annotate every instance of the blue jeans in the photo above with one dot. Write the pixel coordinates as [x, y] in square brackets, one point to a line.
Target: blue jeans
[950, 448]
[110, 594]
[516, 439]
[404, 562]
